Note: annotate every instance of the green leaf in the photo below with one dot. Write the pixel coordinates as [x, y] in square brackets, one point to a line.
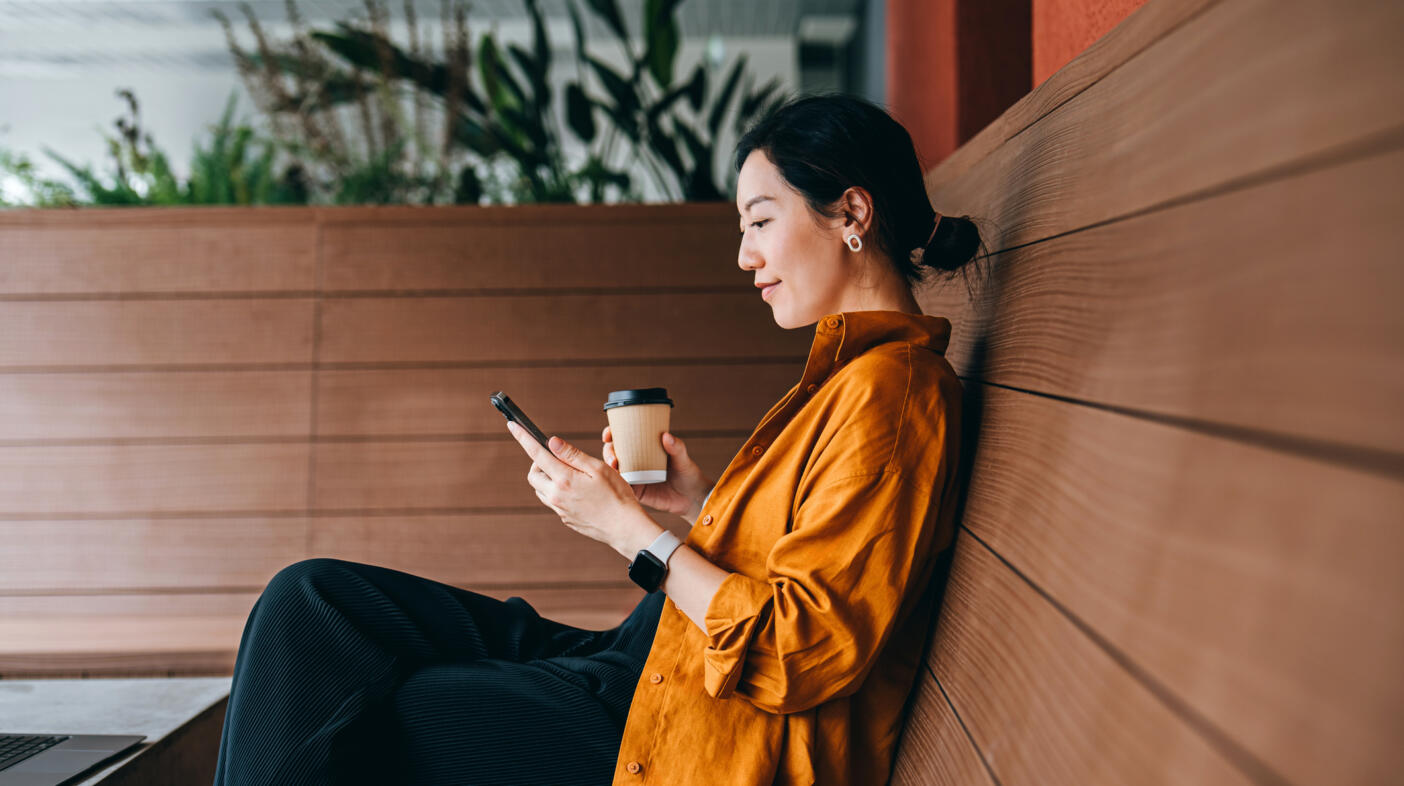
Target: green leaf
[666, 101]
[578, 26]
[580, 113]
[661, 39]
[626, 101]
[609, 10]
[714, 119]
[540, 45]
[754, 101]
[697, 88]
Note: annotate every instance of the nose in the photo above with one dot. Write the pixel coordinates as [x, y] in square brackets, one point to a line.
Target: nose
[747, 257]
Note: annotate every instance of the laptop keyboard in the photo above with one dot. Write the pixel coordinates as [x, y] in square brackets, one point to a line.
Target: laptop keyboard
[15, 748]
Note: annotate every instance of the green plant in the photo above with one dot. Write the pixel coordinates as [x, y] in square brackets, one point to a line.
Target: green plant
[228, 171]
[497, 105]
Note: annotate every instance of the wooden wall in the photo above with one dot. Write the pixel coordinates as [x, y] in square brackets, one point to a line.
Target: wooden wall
[1179, 560]
[191, 399]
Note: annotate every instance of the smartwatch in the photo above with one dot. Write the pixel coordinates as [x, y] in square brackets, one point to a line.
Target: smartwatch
[651, 564]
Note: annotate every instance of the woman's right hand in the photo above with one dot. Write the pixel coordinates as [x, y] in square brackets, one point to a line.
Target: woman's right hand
[685, 486]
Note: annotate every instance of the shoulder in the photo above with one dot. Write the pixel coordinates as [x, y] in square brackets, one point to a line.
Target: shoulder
[889, 378]
[883, 409]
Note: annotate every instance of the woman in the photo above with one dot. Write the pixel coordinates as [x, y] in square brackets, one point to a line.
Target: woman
[785, 634]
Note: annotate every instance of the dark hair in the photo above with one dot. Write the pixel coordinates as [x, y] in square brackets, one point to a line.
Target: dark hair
[824, 144]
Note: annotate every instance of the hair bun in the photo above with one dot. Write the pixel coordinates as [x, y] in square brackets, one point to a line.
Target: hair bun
[953, 242]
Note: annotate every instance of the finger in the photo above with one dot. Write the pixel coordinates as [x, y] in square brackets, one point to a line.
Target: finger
[605, 436]
[550, 466]
[569, 457]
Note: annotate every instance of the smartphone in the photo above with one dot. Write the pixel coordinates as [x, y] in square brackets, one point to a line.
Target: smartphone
[514, 413]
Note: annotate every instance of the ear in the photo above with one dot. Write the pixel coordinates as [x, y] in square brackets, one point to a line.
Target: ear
[857, 206]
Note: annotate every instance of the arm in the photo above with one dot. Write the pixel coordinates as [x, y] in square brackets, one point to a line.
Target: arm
[810, 630]
[692, 579]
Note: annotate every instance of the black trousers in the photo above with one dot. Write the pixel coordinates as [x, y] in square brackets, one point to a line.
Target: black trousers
[350, 673]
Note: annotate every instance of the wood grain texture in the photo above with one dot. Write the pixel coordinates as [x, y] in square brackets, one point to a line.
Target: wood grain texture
[454, 474]
[67, 555]
[197, 256]
[474, 549]
[935, 750]
[1227, 310]
[1276, 81]
[583, 248]
[1233, 575]
[567, 400]
[147, 405]
[1138, 31]
[1043, 702]
[93, 479]
[546, 328]
[198, 634]
[154, 332]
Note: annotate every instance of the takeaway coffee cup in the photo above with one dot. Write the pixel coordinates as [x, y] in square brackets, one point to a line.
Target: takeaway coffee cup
[637, 420]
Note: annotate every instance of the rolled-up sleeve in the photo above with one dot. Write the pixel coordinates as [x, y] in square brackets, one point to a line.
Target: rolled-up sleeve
[811, 629]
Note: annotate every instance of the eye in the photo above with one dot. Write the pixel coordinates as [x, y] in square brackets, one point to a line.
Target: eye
[757, 225]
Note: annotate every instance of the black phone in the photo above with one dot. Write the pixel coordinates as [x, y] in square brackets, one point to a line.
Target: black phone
[512, 412]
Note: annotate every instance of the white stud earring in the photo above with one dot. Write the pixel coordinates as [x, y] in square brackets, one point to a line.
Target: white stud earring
[854, 242]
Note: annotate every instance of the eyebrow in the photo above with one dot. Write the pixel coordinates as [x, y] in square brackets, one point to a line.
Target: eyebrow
[755, 199]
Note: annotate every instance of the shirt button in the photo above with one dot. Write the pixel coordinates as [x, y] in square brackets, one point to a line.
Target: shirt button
[655, 678]
[634, 767]
[707, 519]
[757, 450]
[833, 322]
[810, 390]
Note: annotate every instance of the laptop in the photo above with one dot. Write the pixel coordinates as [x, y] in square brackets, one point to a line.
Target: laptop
[55, 759]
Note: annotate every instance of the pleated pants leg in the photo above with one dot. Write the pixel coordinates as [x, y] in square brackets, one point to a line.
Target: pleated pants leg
[350, 673]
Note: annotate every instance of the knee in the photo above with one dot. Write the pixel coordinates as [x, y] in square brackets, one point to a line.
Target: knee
[296, 579]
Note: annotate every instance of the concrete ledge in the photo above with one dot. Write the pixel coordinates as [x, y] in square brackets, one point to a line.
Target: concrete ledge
[181, 718]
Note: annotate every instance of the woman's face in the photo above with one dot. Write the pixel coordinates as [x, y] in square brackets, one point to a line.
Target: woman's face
[782, 240]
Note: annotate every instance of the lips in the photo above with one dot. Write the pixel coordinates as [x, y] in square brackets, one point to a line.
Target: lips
[766, 292]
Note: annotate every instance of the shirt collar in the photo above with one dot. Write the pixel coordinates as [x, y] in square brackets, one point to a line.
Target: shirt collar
[841, 337]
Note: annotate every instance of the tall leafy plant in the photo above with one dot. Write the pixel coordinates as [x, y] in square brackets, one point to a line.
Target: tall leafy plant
[497, 105]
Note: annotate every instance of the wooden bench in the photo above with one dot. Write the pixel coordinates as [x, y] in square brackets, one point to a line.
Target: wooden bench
[1177, 558]
[1179, 553]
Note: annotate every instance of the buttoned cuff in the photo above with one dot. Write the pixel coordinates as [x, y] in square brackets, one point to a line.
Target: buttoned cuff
[732, 620]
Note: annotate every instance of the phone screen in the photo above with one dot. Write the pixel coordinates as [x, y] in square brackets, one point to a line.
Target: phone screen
[512, 412]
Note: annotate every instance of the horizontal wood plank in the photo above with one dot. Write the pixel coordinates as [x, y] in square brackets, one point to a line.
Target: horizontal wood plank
[170, 257]
[1234, 575]
[473, 549]
[147, 553]
[106, 635]
[119, 405]
[1224, 310]
[559, 328]
[561, 400]
[460, 474]
[1043, 702]
[88, 479]
[155, 332]
[934, 750]
[1306, 79]
[692, 249]
[1141, 29]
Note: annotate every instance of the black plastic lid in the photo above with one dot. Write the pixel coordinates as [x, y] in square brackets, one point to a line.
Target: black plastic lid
[623, 398]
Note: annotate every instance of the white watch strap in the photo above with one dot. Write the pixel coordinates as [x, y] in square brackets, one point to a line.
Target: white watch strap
[663, 546]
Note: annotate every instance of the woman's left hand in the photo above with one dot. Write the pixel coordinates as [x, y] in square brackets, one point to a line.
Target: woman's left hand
[590, 496]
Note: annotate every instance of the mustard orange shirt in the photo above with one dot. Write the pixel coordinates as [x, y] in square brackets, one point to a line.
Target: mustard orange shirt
[829, 520]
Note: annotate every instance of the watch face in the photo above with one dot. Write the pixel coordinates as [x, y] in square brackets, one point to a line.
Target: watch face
[647, 570]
